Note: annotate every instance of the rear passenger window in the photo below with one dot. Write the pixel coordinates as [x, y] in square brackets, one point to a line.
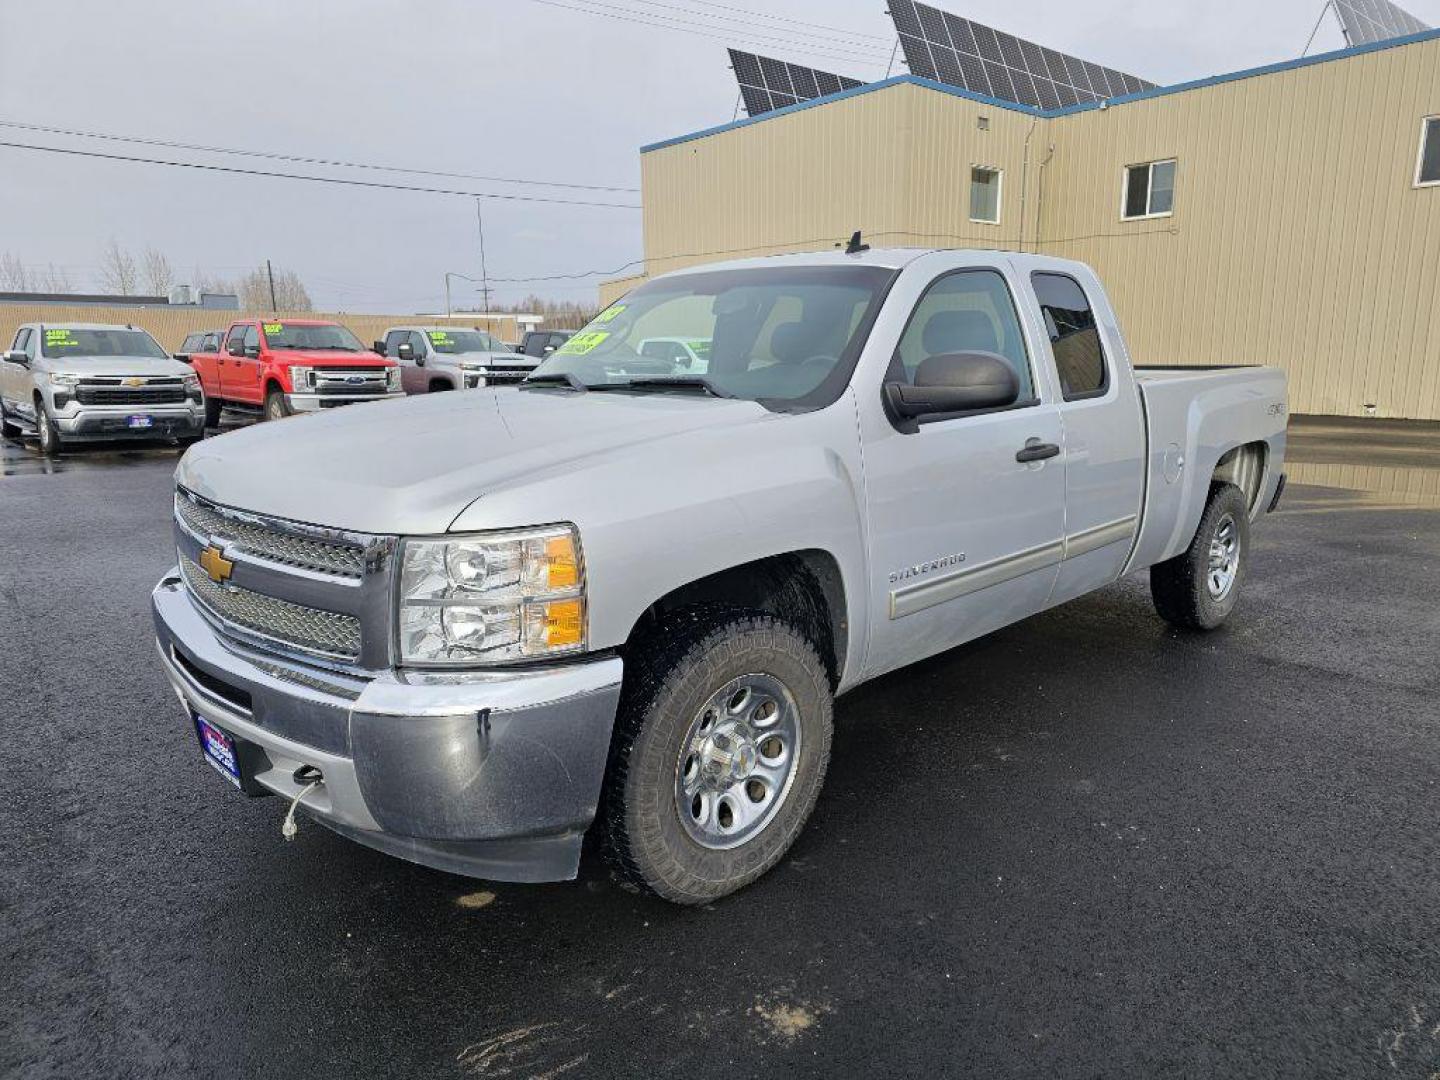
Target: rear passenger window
[1074, 337]
[967, 311]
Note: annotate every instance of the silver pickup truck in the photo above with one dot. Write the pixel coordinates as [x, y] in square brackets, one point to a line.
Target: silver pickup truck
[88, 382]
[435, 358]
[625, 596]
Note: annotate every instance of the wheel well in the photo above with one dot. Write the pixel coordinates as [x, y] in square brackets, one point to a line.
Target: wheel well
[273, 384]
[441, 384]
[1244, 466]
[802, 587]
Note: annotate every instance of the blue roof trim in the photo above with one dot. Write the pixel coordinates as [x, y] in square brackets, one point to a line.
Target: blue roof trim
[955, 91]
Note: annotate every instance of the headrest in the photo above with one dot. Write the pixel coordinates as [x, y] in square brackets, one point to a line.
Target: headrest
[959, 331]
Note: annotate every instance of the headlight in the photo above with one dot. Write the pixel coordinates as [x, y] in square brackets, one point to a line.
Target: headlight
[492, 597]
[64, 378]
[191, 382]
[392, 379]
[302, 378]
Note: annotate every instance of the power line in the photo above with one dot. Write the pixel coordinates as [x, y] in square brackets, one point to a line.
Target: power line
[749, 20]
[781, 18]
[375, 184]
[645, 19]
[143, 141]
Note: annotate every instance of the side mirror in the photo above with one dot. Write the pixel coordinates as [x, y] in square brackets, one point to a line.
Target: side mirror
[549, 349]
[378, 347]
[252, 352]
[236, 350]
[15, 356]
[405, 352]
[183, 357]
[954, 383]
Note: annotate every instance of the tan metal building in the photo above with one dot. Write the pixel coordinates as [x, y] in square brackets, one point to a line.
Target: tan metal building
[1299, 223]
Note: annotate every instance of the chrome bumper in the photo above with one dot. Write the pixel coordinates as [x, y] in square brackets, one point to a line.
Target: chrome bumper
[98, 420]
[494, 775]
[315, 402]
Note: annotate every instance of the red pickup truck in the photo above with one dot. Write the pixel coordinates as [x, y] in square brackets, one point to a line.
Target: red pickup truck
[285, 366]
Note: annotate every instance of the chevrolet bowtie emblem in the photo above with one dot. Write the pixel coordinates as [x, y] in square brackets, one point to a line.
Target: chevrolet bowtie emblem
[134, 382]
[216, 565]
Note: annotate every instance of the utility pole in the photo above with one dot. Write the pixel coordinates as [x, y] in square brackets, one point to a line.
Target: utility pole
[270, 273]
[484, 276]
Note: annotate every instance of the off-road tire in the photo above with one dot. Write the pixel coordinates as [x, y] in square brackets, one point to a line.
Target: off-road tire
[50, 442]
[276, 407]
[669, 676]
[1179, 585]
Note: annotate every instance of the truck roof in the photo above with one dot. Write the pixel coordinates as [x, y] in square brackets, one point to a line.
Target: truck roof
[284, 319]
[88, 325]
[893, 258]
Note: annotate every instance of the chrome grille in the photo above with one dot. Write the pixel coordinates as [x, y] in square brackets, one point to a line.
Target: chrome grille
[322, 632]
[254, 538]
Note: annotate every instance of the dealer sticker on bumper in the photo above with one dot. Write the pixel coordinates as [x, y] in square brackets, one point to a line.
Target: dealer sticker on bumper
[219, 749]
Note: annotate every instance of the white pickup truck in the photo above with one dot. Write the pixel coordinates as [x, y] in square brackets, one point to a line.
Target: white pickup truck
[625, 596]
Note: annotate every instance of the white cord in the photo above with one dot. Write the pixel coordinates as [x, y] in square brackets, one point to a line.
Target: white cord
[289, 828]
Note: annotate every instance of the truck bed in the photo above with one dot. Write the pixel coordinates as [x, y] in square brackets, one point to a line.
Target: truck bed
[1194, 416]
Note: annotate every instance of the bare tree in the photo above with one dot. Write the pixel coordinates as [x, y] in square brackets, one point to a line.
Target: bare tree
[54, 280]
[117, 269]
[210, 283]
[290, 292]
[158, 275]
[13, 275]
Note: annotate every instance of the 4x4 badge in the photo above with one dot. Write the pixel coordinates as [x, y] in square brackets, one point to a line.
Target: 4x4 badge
[214, 563]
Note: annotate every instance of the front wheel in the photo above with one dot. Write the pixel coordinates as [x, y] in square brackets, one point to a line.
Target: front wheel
[213, 408]
[721, 746]
[1197, 589]
[276, 407]
[49, 434]
[7, 429]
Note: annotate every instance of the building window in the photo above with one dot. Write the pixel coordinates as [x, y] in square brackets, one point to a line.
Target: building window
[985, 195]
[1427, 173]
[1149, 190]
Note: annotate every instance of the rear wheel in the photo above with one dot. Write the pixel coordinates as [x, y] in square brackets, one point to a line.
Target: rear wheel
[276, 407]
[721, 746]
[45, 427]
[1198, 588]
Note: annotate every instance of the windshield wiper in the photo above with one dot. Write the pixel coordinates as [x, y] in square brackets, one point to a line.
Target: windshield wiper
[562, 379]
[676, 382]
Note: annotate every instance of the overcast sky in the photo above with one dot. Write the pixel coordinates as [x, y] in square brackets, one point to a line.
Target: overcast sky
[519, 89]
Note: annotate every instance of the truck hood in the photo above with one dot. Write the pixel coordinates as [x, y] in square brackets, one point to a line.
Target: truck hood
[413, 466]
[481, 359]
[330, 358]
[149, 366]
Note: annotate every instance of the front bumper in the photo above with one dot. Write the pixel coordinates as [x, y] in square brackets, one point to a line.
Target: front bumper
[494, 775]
[82, 422]
[315, 402]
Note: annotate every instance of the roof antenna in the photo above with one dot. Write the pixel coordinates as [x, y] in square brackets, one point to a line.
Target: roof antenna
[856, 245]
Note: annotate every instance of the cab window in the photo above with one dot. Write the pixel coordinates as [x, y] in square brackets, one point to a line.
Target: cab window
[236, 338]
[1074, 337]
[252, 337]
[966, 311]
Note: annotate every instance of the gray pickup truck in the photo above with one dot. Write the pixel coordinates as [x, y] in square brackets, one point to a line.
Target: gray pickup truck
[626, 595]
[435, 358]
[88, 382]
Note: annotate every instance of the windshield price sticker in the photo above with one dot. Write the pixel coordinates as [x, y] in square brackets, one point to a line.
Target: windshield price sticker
[581, 344]
[609, 313]
[61, 338]
[439, 337]
[274, 328]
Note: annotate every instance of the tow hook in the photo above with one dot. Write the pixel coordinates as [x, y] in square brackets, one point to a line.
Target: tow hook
[310, 778]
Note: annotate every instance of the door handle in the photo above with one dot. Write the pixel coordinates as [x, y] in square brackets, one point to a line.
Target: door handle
[1034, 450]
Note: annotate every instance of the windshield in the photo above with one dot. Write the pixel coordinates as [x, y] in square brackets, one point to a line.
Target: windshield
[463, 341]
[60, 341]
[284, 335]
[785, 337]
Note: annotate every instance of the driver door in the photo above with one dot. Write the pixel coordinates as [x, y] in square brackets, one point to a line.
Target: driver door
[965, 538]
[13, 376]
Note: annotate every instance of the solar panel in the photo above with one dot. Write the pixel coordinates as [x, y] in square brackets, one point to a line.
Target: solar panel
[975, 57]
[1368, 21]
[767, 84]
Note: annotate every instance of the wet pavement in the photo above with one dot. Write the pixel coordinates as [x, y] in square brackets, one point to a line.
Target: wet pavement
[1085, 846]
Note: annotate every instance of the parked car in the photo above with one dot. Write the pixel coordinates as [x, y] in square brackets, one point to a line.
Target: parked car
[90, 382]
[691, 356]
[636, 594]
[202, 341]
[541, 343]
[433, 358]
[285, 366]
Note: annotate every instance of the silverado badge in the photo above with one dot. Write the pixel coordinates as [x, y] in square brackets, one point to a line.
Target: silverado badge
[216, 565]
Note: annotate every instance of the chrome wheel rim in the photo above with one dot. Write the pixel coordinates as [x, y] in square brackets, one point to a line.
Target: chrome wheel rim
[737, 761]
[1224, 558]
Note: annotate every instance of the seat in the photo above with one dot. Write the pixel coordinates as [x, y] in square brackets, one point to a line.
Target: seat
[959, 331]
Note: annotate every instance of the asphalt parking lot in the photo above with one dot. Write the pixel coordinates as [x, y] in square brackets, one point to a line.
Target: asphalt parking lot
[1085, 846]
